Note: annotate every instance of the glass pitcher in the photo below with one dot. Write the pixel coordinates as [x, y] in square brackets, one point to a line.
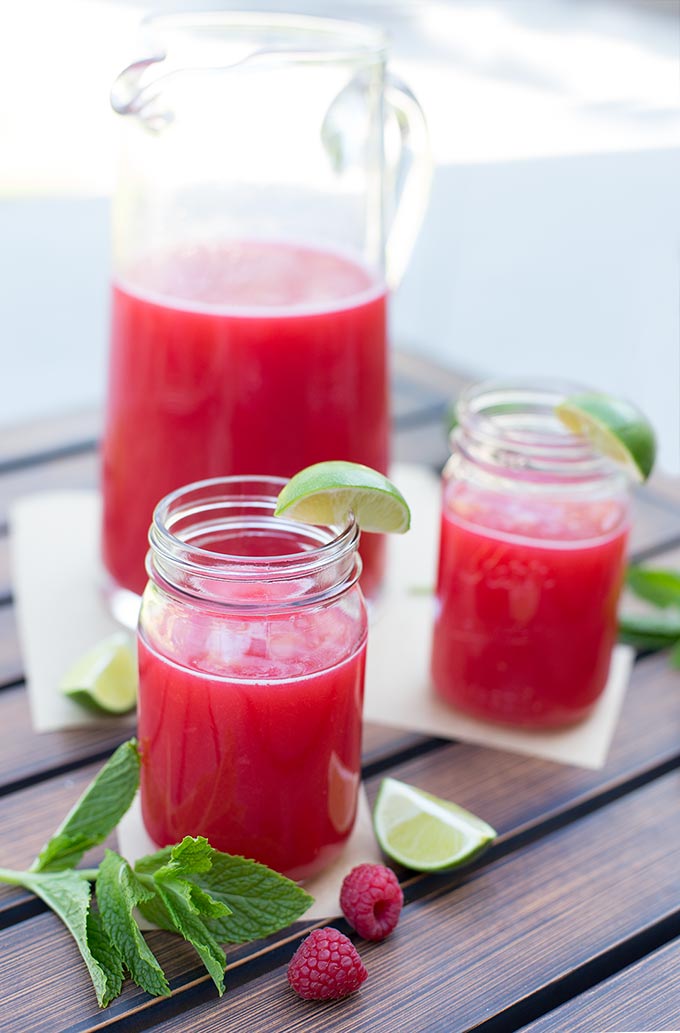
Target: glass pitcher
[272, 181]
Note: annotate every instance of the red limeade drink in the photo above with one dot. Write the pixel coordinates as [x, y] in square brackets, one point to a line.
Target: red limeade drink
[252, 357]
[254, 738]
[526, 603]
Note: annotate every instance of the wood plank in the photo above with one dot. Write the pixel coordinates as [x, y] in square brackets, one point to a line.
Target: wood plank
[74, 471]
[48, 801]
[655, 523]
[655, 526]
[23, 442]
[408, 444]
[5, 570]
[514, 793]
[25, 755]
[643, 997]
[82, 470]
[45, 989]
[426, 444]
[380, 743]
[415, 387]
[423, 371]
[503, 936]
[11, 664]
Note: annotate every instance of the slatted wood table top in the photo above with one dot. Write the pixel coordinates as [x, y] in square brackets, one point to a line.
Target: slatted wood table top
[570, 923]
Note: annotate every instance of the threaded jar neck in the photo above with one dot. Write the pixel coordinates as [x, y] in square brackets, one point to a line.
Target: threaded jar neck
[219, 541]
[509, 429]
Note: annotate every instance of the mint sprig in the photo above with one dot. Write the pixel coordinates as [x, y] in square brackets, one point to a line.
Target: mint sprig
[659, 627]
[205, 896]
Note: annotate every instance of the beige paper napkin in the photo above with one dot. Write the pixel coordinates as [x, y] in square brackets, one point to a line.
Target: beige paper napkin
[361, 848]
[398, 687]
[61, 613]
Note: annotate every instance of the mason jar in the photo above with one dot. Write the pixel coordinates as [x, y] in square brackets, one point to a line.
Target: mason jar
[532, 556]
[252, 640]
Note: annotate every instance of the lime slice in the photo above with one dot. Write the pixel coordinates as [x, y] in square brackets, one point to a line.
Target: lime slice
[105, 679]
[616, 428]
[424, 832]
[327, 493]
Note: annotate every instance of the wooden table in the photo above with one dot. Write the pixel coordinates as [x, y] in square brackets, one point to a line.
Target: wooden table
[571, 922]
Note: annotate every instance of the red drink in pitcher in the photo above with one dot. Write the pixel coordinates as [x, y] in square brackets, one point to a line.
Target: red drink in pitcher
[252, 357]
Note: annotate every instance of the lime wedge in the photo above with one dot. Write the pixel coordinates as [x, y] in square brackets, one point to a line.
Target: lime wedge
[327, 493]
[424, 832]
[615, 428]
[105, 679]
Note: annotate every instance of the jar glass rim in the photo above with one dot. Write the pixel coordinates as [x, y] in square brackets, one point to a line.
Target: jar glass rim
[260, 492]
[513, 424]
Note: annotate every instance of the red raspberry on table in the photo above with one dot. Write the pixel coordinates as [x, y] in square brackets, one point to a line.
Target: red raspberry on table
[371, 900]
[326, 966]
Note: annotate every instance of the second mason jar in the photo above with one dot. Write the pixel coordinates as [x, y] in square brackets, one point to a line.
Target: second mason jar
[532, 556]
[252, 643]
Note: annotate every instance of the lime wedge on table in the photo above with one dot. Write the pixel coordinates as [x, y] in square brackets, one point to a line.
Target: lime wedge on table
[424, 832]
[105, 678]
[327, 492]
[615, 427]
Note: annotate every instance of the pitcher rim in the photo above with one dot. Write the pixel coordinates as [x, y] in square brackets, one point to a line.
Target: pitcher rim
[353, 37]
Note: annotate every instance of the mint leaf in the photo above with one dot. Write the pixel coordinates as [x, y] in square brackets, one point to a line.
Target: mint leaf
[179, 863]
[261, 901]
[170, 910]
[106, 956]
[68, 895]
[660, 587]
[96, 813]
[119, 890]
[650, 630]
[181, 906]
[190, 857]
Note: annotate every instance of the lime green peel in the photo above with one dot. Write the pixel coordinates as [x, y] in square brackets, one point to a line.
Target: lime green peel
[326, 493]
[104, 680]
[615, 428]
[425, 832]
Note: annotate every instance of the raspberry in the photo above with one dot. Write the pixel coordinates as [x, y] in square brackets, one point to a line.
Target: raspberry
[371, 900]
[326, 966]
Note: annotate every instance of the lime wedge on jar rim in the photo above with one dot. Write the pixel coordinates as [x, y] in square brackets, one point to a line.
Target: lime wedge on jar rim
[615, 428]
[105, 679]
[424, 832]
[326, 493]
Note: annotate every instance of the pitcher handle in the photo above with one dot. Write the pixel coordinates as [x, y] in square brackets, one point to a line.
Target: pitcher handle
[136, 92]
[413, 176]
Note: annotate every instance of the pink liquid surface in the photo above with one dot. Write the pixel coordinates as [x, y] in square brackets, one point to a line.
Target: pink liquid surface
[254, 739]
[526, 604]
[250, 358]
